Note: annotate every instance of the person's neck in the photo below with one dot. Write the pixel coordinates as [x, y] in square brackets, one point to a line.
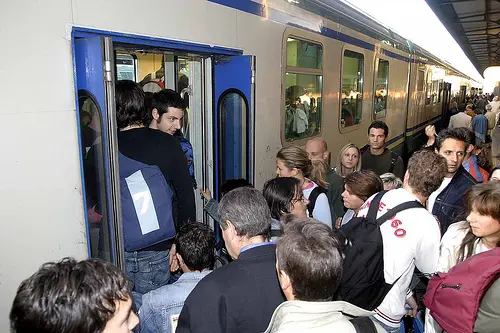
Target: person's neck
[422, 199]
[132, 127]
[153, 125]
[252, 240]
[491, 241]
[304, 182]
[377, 151]
[186, 269]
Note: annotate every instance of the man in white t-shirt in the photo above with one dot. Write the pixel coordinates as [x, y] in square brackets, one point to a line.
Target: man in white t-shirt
[411, 237]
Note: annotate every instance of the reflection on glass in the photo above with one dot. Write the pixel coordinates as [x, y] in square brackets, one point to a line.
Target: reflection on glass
[302, 105]
[381, 89]
[420, 80]
[304, 54]
[95, 178]
[125, 67]
[151, 68]
[352, 88]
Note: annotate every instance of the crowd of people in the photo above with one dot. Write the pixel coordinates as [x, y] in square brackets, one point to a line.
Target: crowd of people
[347, 243]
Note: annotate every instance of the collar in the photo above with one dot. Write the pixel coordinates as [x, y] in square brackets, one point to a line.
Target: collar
[253, 246]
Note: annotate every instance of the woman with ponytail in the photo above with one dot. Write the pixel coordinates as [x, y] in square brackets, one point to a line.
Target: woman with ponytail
[294, 162]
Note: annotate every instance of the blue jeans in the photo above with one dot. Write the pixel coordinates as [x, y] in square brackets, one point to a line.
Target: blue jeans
[389, 329]
[146, 271]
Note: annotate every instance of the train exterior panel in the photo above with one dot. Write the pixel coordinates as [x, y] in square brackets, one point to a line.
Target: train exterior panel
[43, 210]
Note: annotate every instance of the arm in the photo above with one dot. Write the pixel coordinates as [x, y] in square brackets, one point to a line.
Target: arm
[321, 210]
[212, 209]
[427, 251]
[335, 189]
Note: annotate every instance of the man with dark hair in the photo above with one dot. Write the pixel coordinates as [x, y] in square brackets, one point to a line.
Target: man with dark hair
[378, 158]
[446, 202]
[89, 296]
[470, 162]
[147, 267]
[160, 309]
[309, 267]
[411, 237]
[242, 295]
[317, 149]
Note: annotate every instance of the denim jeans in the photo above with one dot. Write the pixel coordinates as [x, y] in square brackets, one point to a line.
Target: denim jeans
[146, 271]
[389, 329]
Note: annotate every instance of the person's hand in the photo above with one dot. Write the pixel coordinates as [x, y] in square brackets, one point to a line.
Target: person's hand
[338, 223]
[430, 131]
[411, 303]
[172, 259]
[206, 193]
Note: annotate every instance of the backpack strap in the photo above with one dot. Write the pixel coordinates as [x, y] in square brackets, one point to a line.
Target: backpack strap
[394, 158]
[372, 211]
[399, 208]
[363, 325]
[312, 199]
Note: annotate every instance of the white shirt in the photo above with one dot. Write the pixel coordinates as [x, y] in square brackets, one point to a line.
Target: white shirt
[411, 239]
[461, 119]
[434, 195]
[321, 211]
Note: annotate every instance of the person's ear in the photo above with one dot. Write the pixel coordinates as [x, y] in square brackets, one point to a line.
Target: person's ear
[295, 172]
[325, 155]
[469, 149]
[155, 114]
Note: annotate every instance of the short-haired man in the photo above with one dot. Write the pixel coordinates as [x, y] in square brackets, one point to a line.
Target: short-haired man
[446, 201]
[461, 119]
[160, 308]
[411, 237]
[242, 295]
[309, 267]
[89, 296]
[470, 162]
[153, 148]
[317, 149]
[378, 158]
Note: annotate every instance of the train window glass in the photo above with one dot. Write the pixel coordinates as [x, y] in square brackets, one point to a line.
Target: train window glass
[233, 136]
[183, 90]
[420, 80]
[440, 91]
[352, 88]
[94, 166]
[303, 87]
[300, 53]
[381, 89]
[428, 89]
[151, 69]
[125, 67]
[435, 91]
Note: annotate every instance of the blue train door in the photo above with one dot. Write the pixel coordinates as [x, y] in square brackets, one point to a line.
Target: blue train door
[94, 74]
[234, 118]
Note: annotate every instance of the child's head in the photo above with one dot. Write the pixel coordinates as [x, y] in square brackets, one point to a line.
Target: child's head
[89, 296]
[195, 244]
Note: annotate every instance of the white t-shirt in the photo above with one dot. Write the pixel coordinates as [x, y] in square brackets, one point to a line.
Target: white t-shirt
[321, 210]
[411, 238]
[434, 195]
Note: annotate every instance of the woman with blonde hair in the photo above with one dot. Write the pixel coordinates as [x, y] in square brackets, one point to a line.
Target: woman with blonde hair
[349, 160]
[294, 162]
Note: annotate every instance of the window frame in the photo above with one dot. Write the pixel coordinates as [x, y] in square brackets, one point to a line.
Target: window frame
[375, 75]
[347, 47]
[310, 38]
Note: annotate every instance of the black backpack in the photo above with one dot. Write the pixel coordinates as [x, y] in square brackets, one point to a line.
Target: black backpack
[312, 199]
[363, 283]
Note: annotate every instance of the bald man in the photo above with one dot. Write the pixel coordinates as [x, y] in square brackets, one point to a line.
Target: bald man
[317, 149]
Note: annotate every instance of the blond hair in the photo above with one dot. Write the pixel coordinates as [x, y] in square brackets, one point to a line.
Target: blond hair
[296, 157]
[341, 170]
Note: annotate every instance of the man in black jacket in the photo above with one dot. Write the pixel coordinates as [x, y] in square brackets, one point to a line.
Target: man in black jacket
[241, 296]
[446, 202]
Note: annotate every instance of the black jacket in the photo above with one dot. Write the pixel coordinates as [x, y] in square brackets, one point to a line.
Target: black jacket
[238, 297]
[449, 206]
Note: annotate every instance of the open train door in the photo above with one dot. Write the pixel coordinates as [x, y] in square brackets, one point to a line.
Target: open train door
[234, 118]
[94, 76]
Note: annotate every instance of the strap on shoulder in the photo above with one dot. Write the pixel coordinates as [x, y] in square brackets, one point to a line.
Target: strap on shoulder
[363, 325]
[399, 208]
[372, 211]
[312, 199]
[275, 233]
[394, 158]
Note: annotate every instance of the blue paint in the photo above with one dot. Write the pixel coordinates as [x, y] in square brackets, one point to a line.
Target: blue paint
[119, 37]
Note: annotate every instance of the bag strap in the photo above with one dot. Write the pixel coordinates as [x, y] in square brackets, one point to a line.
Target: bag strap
[312, 199]
[275, 233]
[363, 325]
[394, 158]
[399, 208]
[372, 211]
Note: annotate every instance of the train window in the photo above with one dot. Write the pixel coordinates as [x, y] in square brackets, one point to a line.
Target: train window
[303, 87]
[420, 80]
[125, 67]
[352, 88]
[381, 89]
[428, 89]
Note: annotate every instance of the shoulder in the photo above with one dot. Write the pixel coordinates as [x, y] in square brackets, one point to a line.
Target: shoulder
[455, 234]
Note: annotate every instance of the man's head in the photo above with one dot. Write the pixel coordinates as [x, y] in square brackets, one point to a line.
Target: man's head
[488, 107]
[129, 99]
[469, 108]
[89, 296]
[195, 244]
[244, 215]
[308, 261]
[470, 141]
[317, 149]
[167, 111]
[377, 134]
[425, 173]
[451, 144]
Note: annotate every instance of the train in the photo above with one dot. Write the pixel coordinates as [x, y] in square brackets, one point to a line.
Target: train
[257, 75]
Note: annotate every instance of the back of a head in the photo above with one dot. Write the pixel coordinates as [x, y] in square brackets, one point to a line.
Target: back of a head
[296, 157]
[279, 194]
[456, 133]
[363, 183]
[167, 98]
[195, 242]
[69, 296]
[426, 171]
[232, 184]
[129, 99]
[378, 124]
[247, 210]
[390, 181]
[468, 135]
[309, 253]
